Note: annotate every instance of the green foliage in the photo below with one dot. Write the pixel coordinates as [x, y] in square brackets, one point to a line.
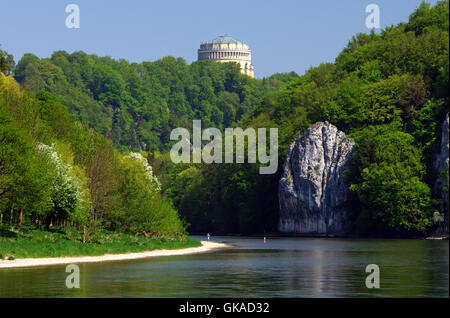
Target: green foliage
[153, 214]
[426, 18]
[67, 193]
[390, 91]
[25, 174]
[6, 62]
[445, 188]
[386, 181]
[56, 171]
[426, 122]
[137, 105]
[222, 198]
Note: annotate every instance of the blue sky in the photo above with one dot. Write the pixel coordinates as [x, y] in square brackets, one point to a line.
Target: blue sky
[284, 35]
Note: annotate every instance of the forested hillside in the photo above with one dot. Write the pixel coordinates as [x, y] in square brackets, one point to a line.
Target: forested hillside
[54, 171]
[389, 91]
[72, 113]
[137, 105]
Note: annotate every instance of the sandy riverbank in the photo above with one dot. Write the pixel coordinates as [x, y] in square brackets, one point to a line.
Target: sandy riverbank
[207, 246]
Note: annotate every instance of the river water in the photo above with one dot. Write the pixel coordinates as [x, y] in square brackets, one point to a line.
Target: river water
[281, 267]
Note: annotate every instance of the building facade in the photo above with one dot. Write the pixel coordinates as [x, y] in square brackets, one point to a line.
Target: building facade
[226, 49]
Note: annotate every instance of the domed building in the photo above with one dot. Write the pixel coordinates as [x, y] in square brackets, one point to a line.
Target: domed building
[226, 49]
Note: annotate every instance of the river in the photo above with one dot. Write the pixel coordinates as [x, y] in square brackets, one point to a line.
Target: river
[281, 267]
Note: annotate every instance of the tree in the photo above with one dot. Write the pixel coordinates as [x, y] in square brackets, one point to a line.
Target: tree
[67, 194]
[386, 180]
[25, 181]
[6, 62]
[152, 214]
[61, 171]
[26, 59]
[137, 105]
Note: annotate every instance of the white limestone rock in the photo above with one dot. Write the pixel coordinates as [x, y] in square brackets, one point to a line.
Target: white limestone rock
[312, 191]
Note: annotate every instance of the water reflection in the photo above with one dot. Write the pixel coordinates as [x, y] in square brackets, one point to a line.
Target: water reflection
[283, 267]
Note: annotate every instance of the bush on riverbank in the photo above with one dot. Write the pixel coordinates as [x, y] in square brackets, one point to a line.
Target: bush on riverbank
[60, 241]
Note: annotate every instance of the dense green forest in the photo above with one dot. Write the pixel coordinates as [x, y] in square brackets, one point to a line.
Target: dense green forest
[137, 105]
[74, 108]
[387, 90]
[71, 113]
[54, 171]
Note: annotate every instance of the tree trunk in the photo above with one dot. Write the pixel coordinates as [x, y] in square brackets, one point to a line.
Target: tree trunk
[47, 223]
[19, 224]
[84, 233]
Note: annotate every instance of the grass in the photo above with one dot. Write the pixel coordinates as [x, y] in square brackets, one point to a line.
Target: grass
[32, 243]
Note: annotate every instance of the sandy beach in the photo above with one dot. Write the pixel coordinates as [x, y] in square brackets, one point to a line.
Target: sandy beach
[207, 246]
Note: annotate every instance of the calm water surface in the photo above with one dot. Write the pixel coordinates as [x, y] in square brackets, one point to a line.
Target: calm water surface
[283, 267]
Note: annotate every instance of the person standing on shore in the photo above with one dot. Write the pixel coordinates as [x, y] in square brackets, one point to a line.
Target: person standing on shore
[208, 236]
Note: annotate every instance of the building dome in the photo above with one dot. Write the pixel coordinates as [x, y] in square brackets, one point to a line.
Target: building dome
[225, 48]
[224, 39]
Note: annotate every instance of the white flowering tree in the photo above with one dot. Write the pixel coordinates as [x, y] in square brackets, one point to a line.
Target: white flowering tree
[69, 199]
[145, 211]
[147, 169]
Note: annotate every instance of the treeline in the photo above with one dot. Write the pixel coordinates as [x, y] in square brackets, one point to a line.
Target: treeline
[221, 198]
[137, 105]
[57, 171]
[389, 91]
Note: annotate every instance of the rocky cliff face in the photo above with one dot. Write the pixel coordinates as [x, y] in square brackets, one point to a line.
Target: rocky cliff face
[312, 191]
[440, 165]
